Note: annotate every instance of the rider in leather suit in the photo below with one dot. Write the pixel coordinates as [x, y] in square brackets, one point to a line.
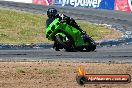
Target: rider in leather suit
[52, 14]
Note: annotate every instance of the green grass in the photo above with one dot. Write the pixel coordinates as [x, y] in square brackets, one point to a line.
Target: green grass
[20, 70]
[97, 32]
[26, 28]
[21, 27]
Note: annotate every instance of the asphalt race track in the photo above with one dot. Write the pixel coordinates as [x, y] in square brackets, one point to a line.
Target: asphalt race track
[121, 53]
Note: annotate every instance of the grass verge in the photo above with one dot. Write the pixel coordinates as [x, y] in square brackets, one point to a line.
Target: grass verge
[26, 28]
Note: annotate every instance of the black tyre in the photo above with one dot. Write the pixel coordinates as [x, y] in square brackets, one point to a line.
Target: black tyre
[67, 44]
[92, 44]
[90, 48]
[81, 80]
[79, 48]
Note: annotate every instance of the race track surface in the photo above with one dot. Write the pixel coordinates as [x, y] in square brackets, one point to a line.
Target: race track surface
[118, 54]
[111, 54]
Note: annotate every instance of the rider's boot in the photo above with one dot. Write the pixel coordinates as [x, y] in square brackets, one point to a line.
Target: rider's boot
[57, 49]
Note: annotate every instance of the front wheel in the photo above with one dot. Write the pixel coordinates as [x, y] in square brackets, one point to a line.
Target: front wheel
[90, 48]
[91, 43]
[65, 42]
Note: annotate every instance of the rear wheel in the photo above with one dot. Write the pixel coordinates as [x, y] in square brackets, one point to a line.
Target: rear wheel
[65, 42]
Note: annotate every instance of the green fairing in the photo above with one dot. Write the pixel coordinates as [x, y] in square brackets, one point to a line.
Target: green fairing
[62, 28]
[68, 37]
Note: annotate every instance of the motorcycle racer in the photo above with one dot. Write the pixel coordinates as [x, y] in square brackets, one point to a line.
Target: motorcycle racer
[52, 14]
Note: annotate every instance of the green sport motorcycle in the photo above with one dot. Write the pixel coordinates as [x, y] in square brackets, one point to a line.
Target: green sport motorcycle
[69, 37]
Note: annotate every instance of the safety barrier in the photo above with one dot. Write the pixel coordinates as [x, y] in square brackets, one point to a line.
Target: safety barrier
[23, 1]
[123, 5]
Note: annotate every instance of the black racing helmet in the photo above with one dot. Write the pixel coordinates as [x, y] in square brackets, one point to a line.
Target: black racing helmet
[51, 12]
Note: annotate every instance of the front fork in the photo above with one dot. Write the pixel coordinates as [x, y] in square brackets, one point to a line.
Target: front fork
[56, 44]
